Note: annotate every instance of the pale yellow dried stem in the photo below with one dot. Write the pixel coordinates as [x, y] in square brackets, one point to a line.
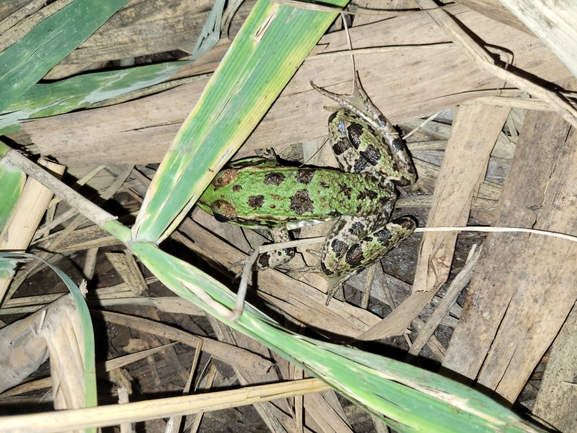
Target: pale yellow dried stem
[160, 408]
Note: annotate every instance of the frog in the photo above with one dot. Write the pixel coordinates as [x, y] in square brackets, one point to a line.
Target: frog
[262, 193]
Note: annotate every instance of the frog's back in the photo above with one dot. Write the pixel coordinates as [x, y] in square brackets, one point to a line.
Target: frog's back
[268, 197]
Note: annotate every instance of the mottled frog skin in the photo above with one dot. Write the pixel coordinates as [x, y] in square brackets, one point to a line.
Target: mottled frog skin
[260, 193]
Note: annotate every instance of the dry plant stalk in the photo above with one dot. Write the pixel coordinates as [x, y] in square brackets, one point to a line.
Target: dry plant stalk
[26, 217]
[481, 57]
[225, 352]
[53, 332]
[105, 367]
[147, 410]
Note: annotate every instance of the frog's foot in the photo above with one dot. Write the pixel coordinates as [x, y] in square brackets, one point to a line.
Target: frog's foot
[353, 101]
[245, 265]
[359, 103]
[236, 264]
[334, 285]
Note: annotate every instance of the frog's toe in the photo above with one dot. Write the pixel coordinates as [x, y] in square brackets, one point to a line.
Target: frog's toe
[236, 264]
[334, 284]
[238, 274]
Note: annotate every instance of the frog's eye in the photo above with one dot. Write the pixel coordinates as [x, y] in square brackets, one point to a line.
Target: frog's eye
[223, 211]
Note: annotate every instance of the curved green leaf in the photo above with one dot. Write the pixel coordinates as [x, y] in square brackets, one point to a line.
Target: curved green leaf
[407, 398]
[25, 63]
[63, 96]
[265, 54]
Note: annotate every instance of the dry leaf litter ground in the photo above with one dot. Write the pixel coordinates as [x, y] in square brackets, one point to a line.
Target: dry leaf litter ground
[113, 277]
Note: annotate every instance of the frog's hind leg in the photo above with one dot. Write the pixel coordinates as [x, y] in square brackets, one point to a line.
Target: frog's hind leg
[269, 259]
[341, 260]
[396, 162]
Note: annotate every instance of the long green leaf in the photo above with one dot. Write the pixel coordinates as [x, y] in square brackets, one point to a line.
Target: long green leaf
[11, 184]
[407, 398]
[23, 64]
[63, 96]
[265, 54]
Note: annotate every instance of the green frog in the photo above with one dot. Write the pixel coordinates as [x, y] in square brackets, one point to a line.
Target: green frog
[261, 193]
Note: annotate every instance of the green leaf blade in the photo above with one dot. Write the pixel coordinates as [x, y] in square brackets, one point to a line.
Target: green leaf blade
[43, 100]
[11, 185]
[25, 63]
[407, 398]
[268, 50]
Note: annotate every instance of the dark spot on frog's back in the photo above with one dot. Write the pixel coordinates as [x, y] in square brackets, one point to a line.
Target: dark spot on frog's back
[397, 144]
[255, 201]
[274, 178]
[237, 188]
[305, 176]
[367, 194]
[371, 154]
[357, 229]
[383, 236]
[345, 190]
[407, 223]
[223, 210]
[340, 146]
[340, 124]
[360, 165]
[339, 248]
[264, 261]
[301, 202]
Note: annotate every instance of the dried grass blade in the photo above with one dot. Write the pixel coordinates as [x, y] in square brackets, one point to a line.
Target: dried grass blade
[484, 60]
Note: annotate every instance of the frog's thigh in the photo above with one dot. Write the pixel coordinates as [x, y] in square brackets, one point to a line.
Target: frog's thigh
[272, 259]
[360, 253]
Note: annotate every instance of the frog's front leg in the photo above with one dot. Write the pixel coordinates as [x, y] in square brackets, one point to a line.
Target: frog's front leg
[272, 259]
[350, 247]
